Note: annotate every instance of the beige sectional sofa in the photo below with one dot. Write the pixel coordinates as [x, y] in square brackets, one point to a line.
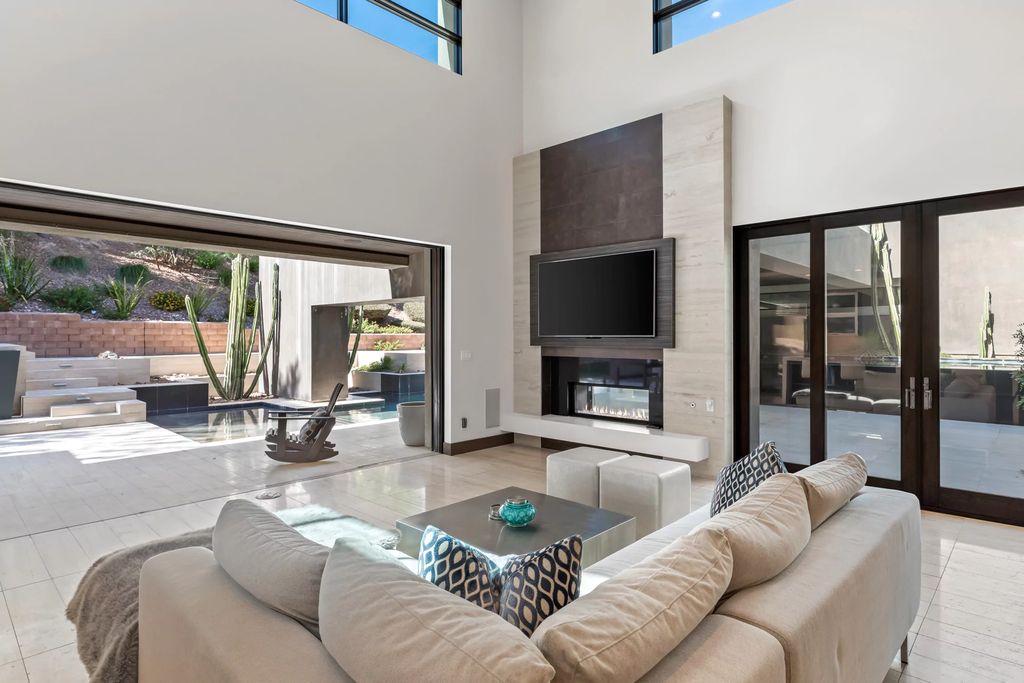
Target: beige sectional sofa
[792, 583]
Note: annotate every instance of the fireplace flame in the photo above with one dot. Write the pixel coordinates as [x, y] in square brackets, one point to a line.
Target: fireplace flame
[638, 414]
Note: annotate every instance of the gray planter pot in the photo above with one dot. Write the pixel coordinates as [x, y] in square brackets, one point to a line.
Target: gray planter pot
[9, 359]
[410, 422]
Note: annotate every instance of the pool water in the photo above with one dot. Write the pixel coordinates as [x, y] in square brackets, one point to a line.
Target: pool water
[225, 424]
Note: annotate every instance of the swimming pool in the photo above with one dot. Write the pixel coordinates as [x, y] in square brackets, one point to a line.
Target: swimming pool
[230, 422]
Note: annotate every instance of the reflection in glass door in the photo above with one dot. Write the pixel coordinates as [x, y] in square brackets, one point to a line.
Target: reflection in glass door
[779, 296]
[863, 339]
[979, 310]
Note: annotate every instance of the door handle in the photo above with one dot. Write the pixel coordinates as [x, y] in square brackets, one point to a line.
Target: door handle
[910, 395]
[926, 398]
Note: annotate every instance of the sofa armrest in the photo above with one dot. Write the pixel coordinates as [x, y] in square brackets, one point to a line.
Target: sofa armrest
[197, 624]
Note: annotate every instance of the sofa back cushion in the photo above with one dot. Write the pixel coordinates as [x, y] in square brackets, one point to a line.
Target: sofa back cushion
[766, 530]
[271, 560]
[830, 485]
[630, 622]
[382, 622]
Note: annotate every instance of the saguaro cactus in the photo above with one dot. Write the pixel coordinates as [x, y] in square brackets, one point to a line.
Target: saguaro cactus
[354, 323]
[986, 337]
[238, 350]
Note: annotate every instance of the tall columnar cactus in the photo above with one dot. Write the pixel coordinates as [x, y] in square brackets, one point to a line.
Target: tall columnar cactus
[986, 337]
[239, 347]
[881, 264]
[351, 321]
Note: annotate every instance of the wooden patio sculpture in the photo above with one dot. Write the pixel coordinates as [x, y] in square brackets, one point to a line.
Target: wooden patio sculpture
[310, 443]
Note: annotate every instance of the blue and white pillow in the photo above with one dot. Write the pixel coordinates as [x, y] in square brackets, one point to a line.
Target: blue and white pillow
[523, 589]
[534, 586]
[458, 568]
[743, 476]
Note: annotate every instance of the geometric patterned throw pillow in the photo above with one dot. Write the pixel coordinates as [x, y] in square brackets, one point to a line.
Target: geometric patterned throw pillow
[534, 586]
[743, 476]
[458, 568]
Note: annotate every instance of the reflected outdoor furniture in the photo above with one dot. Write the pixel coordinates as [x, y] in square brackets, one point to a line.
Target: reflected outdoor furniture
[310, 443]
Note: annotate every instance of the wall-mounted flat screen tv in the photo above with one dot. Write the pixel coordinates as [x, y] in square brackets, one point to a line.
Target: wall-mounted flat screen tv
[610, 295]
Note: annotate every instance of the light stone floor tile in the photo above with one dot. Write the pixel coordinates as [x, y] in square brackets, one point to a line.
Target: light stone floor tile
[20, 563]
[60, 665]
[66, 586]
[61, 552]
[37, 613]
[9, 650]
[13, 672]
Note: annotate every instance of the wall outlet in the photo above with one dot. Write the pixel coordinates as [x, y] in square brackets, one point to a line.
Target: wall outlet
[465, 355]
[465, 422]
[709, 405]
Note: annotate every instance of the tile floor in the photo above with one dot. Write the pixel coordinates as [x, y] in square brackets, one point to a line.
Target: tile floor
[970, 626]
[53, 480]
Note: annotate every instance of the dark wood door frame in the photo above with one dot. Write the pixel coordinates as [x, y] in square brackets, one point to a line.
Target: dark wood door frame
[31, 205]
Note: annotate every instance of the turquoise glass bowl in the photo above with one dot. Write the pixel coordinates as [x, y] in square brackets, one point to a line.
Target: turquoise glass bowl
[518, 512]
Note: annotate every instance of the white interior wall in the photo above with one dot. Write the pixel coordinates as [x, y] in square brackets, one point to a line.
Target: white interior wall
[268, 108]
[836, 104]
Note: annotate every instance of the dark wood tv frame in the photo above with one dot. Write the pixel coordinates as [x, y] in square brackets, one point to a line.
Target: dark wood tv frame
[664, 296]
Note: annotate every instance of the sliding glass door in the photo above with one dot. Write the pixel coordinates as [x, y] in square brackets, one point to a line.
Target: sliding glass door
[895, 333]
[823, 338]
[974, 351]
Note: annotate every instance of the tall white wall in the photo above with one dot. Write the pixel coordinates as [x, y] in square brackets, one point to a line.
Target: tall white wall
[266, 107]
[836, 104]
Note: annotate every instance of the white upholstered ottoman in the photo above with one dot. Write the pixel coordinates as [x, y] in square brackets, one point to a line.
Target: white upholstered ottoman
[655, 492]
[574, 474]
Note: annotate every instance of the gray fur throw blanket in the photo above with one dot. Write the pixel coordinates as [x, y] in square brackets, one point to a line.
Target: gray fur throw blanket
[105, 608]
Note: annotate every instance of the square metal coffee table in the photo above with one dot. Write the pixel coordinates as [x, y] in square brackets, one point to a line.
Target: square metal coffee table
[603, 531]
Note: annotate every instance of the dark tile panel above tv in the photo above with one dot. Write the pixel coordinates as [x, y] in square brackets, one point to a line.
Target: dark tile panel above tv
[602, 189]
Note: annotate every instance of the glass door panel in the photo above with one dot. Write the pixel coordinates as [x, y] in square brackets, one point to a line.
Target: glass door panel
[779, 299]
[863, 338]
[981, 310]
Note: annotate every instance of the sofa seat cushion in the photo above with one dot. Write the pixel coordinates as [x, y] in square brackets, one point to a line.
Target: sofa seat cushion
[766, 529]
[843, 607]
[830, 485]
[270, 559]
[722, 650]
[622, 629]
[381, 622]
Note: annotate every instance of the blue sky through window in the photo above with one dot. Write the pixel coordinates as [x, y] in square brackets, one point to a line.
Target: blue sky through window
[376, 21]
[709, 16]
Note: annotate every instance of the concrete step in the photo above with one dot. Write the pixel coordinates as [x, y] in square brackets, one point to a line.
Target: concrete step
[38, 403]
[57, 383]
[103, 376]
[126, 411]
[98, 408]
[39, 364]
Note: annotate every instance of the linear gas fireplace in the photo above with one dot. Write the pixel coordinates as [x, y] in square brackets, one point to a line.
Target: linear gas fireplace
[625, 390]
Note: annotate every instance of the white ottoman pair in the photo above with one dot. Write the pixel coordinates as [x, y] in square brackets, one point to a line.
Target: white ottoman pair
[655, 492]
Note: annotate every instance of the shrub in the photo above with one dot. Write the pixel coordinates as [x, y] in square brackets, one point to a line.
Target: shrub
[385, 364]
[376, 328]
[376, 312]
[133, 272]
[171, 257]
[254, 264]
[72, 298]
[125, 296]
[69, 264]
[416, 311]
[20, 274]
[5, 303]
[250, 307]
[224, 275]
[167, 301]
[202, 298]
[210, 260]
[386, 345]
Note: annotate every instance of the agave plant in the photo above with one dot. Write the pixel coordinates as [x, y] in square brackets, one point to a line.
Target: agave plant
[20, 274]
[239, 347]
[125, 297]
